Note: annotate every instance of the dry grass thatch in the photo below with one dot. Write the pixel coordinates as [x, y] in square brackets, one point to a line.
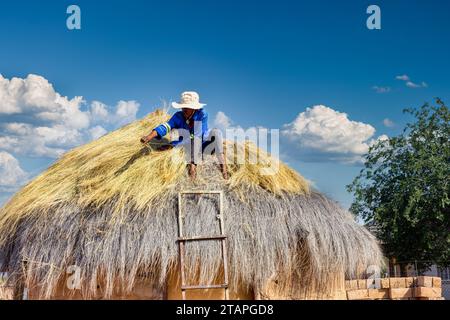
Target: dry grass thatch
[110, 207]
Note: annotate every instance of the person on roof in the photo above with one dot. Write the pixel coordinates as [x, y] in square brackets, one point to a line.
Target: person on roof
[192, 120]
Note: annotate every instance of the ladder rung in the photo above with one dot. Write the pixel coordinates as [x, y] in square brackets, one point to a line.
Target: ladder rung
[199, 238]
[210, 286]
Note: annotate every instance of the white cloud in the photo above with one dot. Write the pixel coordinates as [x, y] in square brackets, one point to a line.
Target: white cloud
[381, 89]
[38, 121]
[99, 112]
[222, 121]
[410, 84]
[235, 132]
[18, 128]
[97, 132]
[317, 134]
[402, 77]
[7, 143]
[383, 138]
[11, 174]
[35, 95]
[323, 134]
[388, 123]
[126, 112]
[40, 141]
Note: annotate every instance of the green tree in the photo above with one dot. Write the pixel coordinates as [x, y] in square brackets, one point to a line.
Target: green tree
[403, 189]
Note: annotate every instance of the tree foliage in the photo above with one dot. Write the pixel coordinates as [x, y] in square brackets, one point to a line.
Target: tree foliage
[403, 189]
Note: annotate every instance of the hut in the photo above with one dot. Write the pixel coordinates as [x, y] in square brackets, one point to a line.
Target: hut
[102, 223]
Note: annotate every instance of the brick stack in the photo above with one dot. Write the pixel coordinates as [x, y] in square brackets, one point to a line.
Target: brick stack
[405, 288]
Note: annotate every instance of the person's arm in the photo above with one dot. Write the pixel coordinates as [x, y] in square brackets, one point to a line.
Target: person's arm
[149, 137]
[161, 130]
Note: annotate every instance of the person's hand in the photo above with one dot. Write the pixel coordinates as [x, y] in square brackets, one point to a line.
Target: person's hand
[165, 147]
[144, 139]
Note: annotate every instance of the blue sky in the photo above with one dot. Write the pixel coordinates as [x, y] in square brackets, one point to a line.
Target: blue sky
[261, 63]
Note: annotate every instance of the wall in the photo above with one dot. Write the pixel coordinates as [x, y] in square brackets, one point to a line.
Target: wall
[396, 288]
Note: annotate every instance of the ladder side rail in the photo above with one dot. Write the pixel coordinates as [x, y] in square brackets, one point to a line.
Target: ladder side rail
[181, 248]
[224, 245]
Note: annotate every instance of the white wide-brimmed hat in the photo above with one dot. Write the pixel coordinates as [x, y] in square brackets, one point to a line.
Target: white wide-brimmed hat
[190, 100]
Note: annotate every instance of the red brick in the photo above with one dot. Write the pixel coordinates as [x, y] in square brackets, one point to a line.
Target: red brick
[424, 281]
[397, 282]
[362, 294]
[339, 295]
[378, 293]
[351, 284]
[425, 292]
[384, 283]
[400, 293]
[410, 282]
[362, 284]
[437, 282]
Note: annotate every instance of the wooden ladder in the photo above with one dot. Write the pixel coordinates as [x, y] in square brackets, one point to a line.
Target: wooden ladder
[221, 237]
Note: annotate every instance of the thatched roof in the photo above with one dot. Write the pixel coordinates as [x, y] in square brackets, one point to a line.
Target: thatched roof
[110, 207]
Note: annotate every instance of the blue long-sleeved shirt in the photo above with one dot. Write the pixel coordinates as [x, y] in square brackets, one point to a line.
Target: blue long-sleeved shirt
[178, 121]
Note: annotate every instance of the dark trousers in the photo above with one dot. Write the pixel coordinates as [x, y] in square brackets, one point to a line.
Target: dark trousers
[213, 144]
